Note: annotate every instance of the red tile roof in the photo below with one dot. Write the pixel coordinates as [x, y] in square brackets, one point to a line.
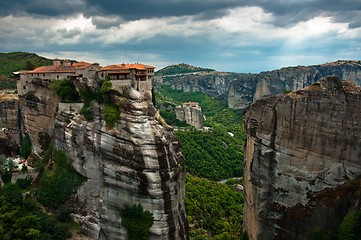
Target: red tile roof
[126, 66]
[81, 65]
[61, 68]
[54, 69]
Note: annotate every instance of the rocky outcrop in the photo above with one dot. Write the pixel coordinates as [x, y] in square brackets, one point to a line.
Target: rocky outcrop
[191, 113]
[10, 124]
[240, 90]
[302, 167]
[137, 161]
[39, 107]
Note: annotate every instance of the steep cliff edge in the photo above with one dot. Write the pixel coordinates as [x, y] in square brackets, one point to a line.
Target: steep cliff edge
[137, 161]
[302, 166]
[10, 124]
[39, 106]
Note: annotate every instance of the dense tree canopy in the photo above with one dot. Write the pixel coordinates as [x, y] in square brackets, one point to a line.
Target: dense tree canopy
[213, 208]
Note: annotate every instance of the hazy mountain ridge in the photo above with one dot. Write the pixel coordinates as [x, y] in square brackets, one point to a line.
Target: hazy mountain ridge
[181, 68]
[240, 89]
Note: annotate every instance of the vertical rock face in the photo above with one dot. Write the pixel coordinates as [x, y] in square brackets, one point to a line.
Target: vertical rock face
[303, 160]
[10, 124]
[135, 162]
[191, 113]
[39, 109]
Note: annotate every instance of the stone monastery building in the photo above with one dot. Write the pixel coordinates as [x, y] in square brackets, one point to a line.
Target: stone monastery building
[137, 75]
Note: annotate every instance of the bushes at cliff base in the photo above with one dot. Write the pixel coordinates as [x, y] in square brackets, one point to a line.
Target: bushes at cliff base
[57, 184]
[137, 222]
[350, 228]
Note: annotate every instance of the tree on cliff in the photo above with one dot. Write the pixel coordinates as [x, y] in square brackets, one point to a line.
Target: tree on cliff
[25, 146]
[66, 90]
[6, 168]
[106, 86]
[110, 111]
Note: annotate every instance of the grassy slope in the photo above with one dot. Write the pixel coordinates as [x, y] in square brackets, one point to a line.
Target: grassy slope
[15, 61]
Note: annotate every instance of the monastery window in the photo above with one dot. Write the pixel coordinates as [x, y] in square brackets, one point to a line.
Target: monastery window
[57, 76]
[24, 87]
[38, 74]
[102, 75]
[43, 74]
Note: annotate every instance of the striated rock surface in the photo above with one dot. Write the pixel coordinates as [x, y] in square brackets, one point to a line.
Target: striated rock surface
[39, 107]
[191, 113]
[10, 124]
[240, 90]
[303, 160]
[137, 161]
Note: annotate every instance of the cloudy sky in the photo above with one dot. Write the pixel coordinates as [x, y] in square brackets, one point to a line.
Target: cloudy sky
[227, 35]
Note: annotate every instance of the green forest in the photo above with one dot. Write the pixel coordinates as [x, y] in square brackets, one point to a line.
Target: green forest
[38, 211]
[212, 154]
[214, 210]
[181, 68]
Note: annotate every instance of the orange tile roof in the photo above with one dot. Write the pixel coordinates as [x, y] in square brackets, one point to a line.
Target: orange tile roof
[124, 66]
[50, 69]
[61, 68]
[81, 65]
[114, 67]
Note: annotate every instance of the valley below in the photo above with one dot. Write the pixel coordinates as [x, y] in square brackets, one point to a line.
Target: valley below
[274, 155]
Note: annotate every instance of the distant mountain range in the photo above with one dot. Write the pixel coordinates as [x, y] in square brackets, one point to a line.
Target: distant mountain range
[240, 89]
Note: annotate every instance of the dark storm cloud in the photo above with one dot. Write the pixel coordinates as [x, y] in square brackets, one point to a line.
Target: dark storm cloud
[136, 9]
[286, 12]
[42, 8]
[129, 10]
[68, 33]
[106, 22]
[290, 12]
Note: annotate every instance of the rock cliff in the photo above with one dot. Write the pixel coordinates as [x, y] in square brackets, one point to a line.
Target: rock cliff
[240, 90]
[191, 113]
[302, 167]
[137, 161]
[10, 124]
[39, 108]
